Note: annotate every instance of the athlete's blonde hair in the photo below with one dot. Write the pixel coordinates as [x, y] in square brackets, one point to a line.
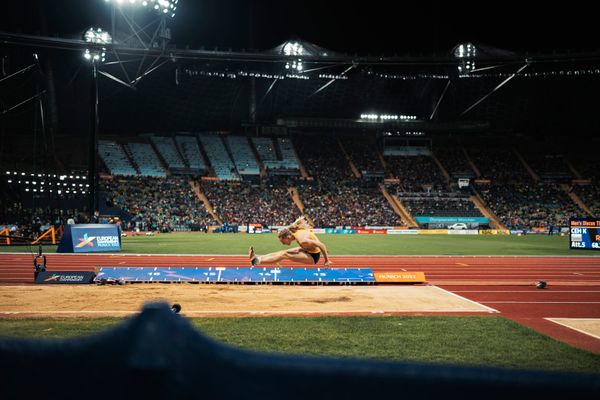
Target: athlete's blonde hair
[300, 223]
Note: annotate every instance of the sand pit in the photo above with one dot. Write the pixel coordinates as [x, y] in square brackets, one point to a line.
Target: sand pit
[213, 300]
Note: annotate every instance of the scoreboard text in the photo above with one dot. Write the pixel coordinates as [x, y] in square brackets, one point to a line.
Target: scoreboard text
[584, 233]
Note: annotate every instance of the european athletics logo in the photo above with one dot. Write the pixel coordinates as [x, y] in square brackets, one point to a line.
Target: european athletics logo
[85, 241]
[54, 277]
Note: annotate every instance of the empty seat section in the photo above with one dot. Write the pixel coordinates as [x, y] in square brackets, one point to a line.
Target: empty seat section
[191, 152]
[115, 159]
[242, 155]
[218, 157]
[166, 147]
[146, 159]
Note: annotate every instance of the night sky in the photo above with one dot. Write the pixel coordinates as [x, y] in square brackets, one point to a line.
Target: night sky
[373, 28]
[425, 27]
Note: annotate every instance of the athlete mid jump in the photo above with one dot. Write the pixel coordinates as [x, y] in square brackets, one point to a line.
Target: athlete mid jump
[309, 248]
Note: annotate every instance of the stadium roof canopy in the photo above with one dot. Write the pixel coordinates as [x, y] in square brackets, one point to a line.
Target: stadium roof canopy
[181, 88]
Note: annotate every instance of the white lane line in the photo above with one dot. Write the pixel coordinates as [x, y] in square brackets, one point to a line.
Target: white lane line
[490, 309]
[575, 329]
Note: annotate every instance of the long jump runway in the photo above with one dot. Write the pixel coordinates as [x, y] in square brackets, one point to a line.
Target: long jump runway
[567, 310]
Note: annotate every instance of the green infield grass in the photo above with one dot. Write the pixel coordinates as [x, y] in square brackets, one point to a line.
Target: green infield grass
[209, 243]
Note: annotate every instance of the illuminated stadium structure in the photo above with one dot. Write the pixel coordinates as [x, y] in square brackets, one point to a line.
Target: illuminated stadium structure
[432, 168]
[397, 131]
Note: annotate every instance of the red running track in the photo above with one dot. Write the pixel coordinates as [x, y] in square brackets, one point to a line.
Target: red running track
[503, 283]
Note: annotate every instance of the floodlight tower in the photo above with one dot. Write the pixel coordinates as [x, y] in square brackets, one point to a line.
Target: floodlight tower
[294, 51]
[140, 24]
[465, 53]
[95, 54]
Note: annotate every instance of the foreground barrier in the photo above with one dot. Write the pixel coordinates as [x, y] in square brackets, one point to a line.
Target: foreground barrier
[159, 355]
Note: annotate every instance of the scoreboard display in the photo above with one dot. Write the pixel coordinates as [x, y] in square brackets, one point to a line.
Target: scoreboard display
[584, 233]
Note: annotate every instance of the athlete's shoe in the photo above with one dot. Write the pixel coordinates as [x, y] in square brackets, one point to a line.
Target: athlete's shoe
[253, 257]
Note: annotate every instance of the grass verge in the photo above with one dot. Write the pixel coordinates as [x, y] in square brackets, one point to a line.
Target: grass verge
[483, 341]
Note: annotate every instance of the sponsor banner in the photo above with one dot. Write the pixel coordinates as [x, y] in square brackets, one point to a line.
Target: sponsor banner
[90, 238]
[255, 228]
[65, 277]
[450, 220]
[399, 277]
[340, 231]
[371, 231]
[402, 232]
[317, 230]
[432, 231]
[463, 232]
[493, 232]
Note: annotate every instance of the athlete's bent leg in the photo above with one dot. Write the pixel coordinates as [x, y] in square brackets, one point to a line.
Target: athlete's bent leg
[295, 255]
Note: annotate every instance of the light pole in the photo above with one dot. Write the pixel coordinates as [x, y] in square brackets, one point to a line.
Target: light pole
[97, 38]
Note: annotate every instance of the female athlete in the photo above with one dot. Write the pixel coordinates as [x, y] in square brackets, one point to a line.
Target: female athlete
[309, 250]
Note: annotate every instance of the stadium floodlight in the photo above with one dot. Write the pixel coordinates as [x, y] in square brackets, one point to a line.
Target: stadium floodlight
[95, 55]
[161, 6]
[294, 49]
[465, 52]
[96, 36]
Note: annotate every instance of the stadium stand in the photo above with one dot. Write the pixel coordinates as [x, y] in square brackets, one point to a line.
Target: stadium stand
[243, 203]
[498, 164]
[416, 173]
[335, 196]
[268, 149]
[529, 205]
[146, 159]
[115, 159]
[288, 156]
[455, 162]
[322, 158]
[550, 166]
[446, 205]
[347, 206]
[154, 203]
[242, 155]
[363, 151]
[168, 151]
[191, 153]
[590, 195]
[217, 154]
